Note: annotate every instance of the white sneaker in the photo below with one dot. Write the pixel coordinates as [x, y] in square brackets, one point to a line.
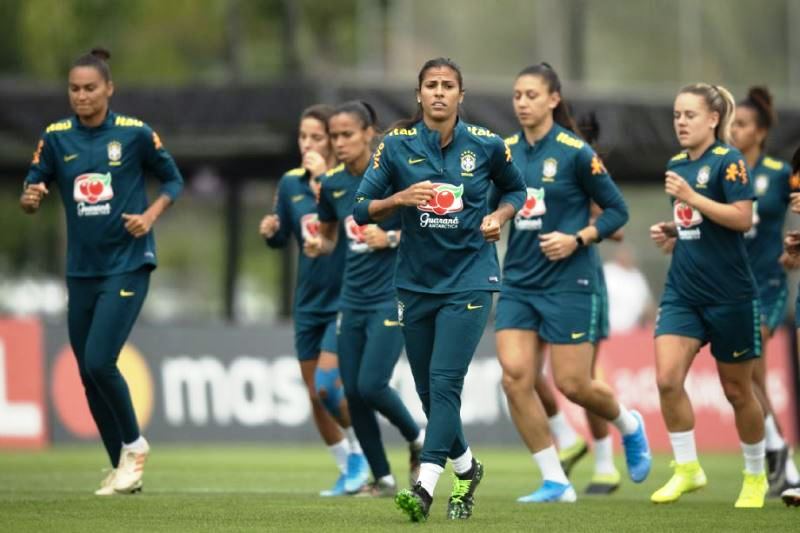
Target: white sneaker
[107, 485]
[128, 476]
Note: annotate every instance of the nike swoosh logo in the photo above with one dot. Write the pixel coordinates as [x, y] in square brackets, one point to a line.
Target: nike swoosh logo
[68, 158]
[737, 354]
[297, 197]
[415, 161]
[471, 307]
[576, 336]
[391, 323]
[339, 194]
[126, 294]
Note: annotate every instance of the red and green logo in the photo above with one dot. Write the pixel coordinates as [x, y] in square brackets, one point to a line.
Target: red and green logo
[447, 199]
[685, 215]
[92, 188]
[309, 225]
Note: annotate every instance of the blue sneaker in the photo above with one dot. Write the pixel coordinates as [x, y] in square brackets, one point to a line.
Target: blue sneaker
[357, 473]
[338, 488]
[550, 491]
[637, 452]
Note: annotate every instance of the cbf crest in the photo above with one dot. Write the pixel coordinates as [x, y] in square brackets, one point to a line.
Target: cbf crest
[762, 184]
[549, 169]
[703, 175]
[114, 151]
[401, 307]
[468, 162]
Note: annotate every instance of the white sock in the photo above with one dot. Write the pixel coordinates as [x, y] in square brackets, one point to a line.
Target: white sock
[604, 456]
[626, 423]
[420, 440]
[352, 440]
[550, 466]
[137, 445]
[462, 463]
[754, 457]
[792, 475]
[387, 481]
[340, 451]
[683, 446]
[773, 437]
[564, 435]
[429, 475]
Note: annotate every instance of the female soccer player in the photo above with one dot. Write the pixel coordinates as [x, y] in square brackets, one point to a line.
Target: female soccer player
[550, 287]
[97, 160]
[440, 170]
[791, 496]
[710, 294]
[370, 340]
[316, 296]
[754, 118]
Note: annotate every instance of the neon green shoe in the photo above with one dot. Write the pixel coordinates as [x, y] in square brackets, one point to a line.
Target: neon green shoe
[754, 490]
[688, 477]
[604, 483]
[570, 456]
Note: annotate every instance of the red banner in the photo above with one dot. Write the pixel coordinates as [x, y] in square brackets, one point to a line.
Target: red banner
[627, 363]
[22, 400]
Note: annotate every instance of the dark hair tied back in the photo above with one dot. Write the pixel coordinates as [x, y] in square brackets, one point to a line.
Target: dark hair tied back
[362, 110]
[561, 113]
[759, 100]
[97, 58]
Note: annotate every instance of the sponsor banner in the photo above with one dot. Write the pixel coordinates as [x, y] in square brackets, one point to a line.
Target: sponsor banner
[220, 383]
[22, 396]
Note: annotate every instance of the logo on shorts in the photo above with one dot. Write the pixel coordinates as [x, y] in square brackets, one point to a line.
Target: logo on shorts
[447, 199]
[309, 225]
[740, 353]
[575, 336]
[355, 235]
[528, 218]
[391, 323]
[471, 307]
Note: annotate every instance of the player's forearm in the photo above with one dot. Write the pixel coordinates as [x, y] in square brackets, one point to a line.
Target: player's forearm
[737, 216]
[158, 207]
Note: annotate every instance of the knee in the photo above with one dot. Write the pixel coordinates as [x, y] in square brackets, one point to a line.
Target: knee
[573, 387]
[97, 370]
[736, 392]
[371, 390]
[516, 381]
[668, 384]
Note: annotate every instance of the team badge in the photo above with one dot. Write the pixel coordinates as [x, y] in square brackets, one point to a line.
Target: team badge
[467, 161]
[762, 184]
[400, 308]
[114, 151]
[703, 175]
[549, 169]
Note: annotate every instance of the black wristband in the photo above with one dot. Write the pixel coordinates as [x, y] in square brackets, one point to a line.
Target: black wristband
[579, 240]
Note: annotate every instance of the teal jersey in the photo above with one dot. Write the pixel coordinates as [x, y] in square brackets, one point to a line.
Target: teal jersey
[319, 280]
[99, 173]
[764, 241]
[442, 249]
[709, 262]
[368, 273]
[563, 176]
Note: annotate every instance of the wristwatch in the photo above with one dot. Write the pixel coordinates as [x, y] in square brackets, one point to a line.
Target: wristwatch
[579, 240]
[392, 238]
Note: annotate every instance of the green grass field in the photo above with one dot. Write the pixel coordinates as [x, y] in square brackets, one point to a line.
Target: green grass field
[249, 488]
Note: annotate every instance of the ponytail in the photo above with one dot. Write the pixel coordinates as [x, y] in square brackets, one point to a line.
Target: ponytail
[719, 100]
[759, 100]
[97, 58]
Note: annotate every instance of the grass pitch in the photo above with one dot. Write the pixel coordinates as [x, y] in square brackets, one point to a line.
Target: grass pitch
[270, 488]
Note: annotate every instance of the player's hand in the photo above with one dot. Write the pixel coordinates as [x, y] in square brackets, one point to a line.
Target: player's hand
[312, 246]
[416, 195]
[789, 262]
[791, 243]
[314, 163]
[269, 226]
[375, 237]
[490, 227]
[32, 196]
[557, 245]
[677, 187]
[138, 225]
[316, 187]
[664, 235]
[794, 202]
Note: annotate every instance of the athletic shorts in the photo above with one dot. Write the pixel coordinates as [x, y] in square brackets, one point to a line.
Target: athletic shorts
[558, 318]
[314, 334]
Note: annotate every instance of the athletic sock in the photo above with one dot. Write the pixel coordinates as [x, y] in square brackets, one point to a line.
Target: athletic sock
[562, 431]
[604, 456]
[463, 463]
[774, 440]
[626, 423]
[792, 475]
[352, 440]
[429, 475]
[138, 445]
[683, 446]
[550, 466]
[340, 451]
[754, 457]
